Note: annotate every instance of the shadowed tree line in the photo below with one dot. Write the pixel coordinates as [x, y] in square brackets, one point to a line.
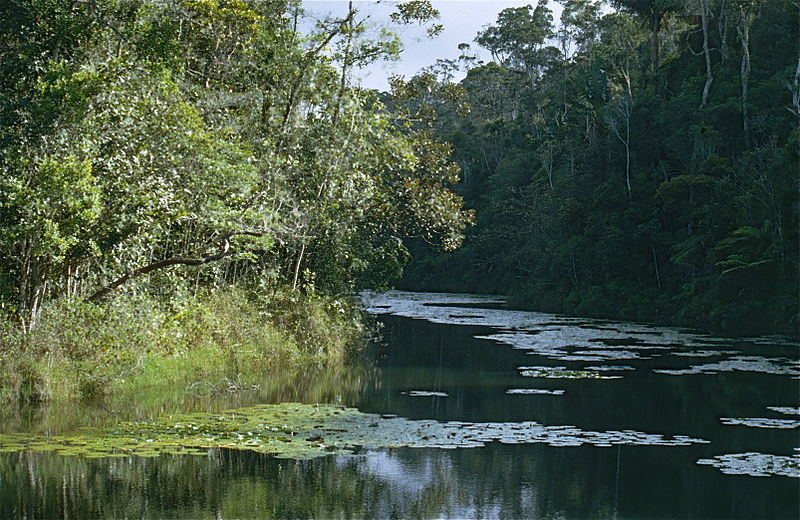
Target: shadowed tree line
[639, 162]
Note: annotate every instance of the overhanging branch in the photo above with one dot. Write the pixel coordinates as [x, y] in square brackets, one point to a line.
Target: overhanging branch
[224, 250]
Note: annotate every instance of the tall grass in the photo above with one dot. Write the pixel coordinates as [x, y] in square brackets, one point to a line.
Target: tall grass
[83, 351]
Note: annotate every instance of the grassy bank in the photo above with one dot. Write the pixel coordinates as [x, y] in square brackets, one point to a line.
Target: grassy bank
[87, 351]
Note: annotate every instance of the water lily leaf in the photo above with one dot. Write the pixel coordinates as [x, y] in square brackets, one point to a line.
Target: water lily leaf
[533, 391]
[760, 422]
[755, 464]
[301, 431]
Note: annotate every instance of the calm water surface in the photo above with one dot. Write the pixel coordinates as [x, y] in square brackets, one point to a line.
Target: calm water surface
[471, 349]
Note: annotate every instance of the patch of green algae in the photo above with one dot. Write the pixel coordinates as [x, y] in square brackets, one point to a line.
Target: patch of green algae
[288, 430]
[301, 431]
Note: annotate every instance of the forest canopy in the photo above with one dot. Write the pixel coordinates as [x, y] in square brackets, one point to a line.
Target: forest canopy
[169, 146]
[637, 161]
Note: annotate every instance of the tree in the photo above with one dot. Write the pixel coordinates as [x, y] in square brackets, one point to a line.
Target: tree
[519, 37]
[746, 13]
[705, 240]
[579, 26]
[142, 140]
[654, 14]
[705, 12]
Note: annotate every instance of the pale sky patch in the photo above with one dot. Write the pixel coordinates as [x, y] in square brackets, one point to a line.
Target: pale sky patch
[462, 19]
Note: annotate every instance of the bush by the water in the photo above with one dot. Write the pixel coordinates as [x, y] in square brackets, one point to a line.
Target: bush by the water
[83, 350]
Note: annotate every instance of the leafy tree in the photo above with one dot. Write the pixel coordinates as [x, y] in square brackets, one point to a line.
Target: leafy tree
[518, 39]
[141, 139]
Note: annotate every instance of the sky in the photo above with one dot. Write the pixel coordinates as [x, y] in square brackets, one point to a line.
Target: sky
[462, 19]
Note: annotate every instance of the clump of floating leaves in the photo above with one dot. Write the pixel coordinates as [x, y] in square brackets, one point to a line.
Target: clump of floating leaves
[301, 431]
[533, 391]
[761, 422]
[423, 393]
[787, 410]
[561, 373]
[755, 464]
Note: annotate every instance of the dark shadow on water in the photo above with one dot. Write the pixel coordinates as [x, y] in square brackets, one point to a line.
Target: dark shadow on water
[497, 481]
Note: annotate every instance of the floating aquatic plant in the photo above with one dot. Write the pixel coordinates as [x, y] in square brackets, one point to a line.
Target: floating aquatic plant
[581, 332]
[610, 368]
[302, 431]
[533, 391]
[787, 410]
[703, 353]
[760, 422]
[602, 355]
[561, 373]
[423, 393]
[568, 339]
[777, 366]
[755, 464]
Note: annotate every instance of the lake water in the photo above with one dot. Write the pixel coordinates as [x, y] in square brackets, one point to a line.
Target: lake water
[618, 421]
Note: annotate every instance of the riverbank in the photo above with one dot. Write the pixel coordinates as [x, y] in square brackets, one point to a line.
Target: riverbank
[135, 345]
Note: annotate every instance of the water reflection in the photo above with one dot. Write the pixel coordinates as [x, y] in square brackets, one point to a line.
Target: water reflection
[427, 352]
[335, 385]
[495, 482]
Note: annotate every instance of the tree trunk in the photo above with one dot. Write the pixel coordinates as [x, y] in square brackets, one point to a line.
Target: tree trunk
[24, 283]
[628, 157]
[624, 110]
[722, 29]
[656, 53]
[796, 89]
[346, 63]
[306, 65]
[655, 263]
[704, 12]
[744, 37]
[297, 267]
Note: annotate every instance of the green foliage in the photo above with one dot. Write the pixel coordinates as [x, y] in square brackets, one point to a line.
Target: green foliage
[88, 351]
[600, 189]
[419, 11]
[139, 138]
[196, 158]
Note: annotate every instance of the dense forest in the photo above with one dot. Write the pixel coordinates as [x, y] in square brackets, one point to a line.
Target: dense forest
[201, 181]
[183, 173]
[635, 161]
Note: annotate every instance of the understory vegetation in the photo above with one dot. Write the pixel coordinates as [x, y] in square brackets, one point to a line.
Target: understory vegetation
[637, 161]
[135, 344]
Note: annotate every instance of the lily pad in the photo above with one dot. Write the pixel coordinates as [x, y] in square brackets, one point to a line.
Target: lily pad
[533, 391]
[301, 431]
[786, 410]
[561, 373]
[610, 368]
[555, 337]
[760, 422]
[423, 393]
[703, 353]
[777, 366]
[755, 464]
